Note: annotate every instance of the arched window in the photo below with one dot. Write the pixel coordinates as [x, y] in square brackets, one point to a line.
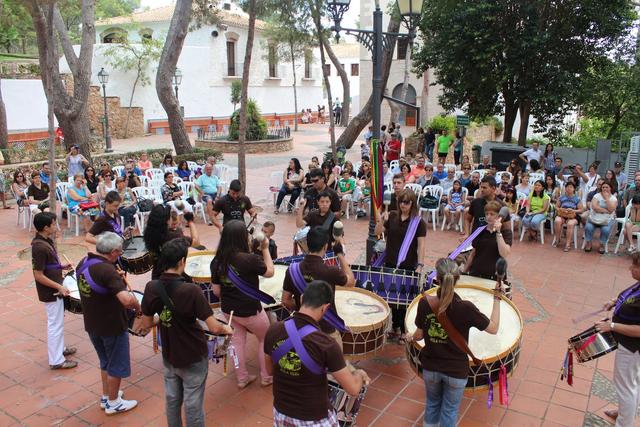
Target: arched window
[146, 34]
[113, 35]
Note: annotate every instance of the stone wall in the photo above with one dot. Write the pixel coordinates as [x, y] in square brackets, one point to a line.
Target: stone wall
[117, 115]
[251, 147]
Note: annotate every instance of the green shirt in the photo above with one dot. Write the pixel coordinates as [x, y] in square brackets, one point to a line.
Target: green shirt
[346, 184]
[536, 203]
[444, 141]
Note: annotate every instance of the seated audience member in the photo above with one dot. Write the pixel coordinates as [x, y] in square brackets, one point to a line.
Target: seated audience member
[79, 194]
[45, 173]
[610, 177]
[208, 186]
[418, 170]
[386, 173]
[405, 170]
[346, 187]
[440, 173]
[91, 179]
[633, 223]
[568, 210]
[167, 162]
[291, 184]
[329, 176]
[144, 163]
[465, 176]
[455, 205]
[106, 184]
[515, 170]
[130, 168]
[524, 187]
[602, 216]
[348, 166]
[183, 170]
[172, 195]
[536, 210]
[486, 164]
[428, 178]
[128, 202]
[19, 187]
[38, 194]
[535, 167]
[473, 185]
[447, 182]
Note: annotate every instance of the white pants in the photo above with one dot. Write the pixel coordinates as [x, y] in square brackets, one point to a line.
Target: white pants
[626, 378]
[55, 331]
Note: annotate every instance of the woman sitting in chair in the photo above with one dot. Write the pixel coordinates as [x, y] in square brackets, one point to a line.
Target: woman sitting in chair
[568, 208]
[601, 215]
[536, 210]
[633, 222]
[78, 195]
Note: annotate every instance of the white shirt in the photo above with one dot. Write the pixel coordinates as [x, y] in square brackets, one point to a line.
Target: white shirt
[622, 181]
[532, 154]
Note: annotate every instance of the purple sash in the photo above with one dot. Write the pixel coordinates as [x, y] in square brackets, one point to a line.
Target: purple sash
[84, 270]
[247, 289]
[295, 341]
[632, 292]
[115, 224]
[298, 281]
[404, 248]
[457, 251]
[53, 266]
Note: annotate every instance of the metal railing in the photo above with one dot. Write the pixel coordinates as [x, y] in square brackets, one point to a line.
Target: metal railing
[278, 132]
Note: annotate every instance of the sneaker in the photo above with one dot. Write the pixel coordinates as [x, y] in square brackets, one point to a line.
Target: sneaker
[67, 364]
[104, 399]
[121, 405]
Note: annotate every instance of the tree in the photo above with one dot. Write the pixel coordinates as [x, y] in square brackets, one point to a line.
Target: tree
[71, 12]
[256, 124]
[70, 107]
[346, 89]
[136, 57]
[16, 28]
[236, 92]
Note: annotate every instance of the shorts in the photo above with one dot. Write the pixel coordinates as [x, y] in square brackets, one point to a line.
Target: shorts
[442, 155]
[456, 208]
[209, 196]
[113, 352]
[346, 197]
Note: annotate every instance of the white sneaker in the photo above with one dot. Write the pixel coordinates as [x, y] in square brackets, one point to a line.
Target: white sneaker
[121, 405]
[104, 399]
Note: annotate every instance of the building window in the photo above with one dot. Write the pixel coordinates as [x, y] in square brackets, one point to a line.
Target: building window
[273, 61]
[403, 45]
[308, 62]
[355, 69]
[231, 59]
[327, 69]
[146, 34]
[114, 35]
[226, 6]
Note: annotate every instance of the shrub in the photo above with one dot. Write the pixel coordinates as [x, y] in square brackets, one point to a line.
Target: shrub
[440, 123]
[256, 125]
[199, 155]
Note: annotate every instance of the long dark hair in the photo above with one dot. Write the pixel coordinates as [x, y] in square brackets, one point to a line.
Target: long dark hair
[533, 189]
[296, 165]
[234, 239]
[155, 233]
[546, 149]
[553, 180]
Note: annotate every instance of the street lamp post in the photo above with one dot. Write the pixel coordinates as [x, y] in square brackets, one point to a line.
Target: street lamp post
[103, 77]
[177, 79]
[377, 42]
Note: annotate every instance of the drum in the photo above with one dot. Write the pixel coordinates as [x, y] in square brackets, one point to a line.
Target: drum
[591, 344]
[484, 283]
[135, 321]
[300, 238]
[198, 266]
[346, 407]
[367, 317]
[273, 287]
[396, 286]
[135, 258]
[217, 345]
[494, 350]
[72, 302]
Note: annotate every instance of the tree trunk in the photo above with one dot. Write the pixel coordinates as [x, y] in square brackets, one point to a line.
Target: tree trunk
[70, 105]
[361, 120]
[51, 68]
[617, 118]
[424, 99]
[525, 113]
[510, 111]
[133, 91]
[403, 92]
[4, 133]
[166, 68]
[332, 123]
[295, 89]
[346, 90]
[393, 107]
[242, 168]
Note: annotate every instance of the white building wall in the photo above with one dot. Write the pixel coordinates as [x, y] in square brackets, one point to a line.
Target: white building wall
[25, 103]
[354, 84]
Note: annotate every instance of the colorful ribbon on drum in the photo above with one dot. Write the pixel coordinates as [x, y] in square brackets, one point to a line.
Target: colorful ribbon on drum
[377, 174]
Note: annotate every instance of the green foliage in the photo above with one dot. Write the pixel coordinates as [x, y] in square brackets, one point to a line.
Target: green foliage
[236, 93]
[490, 121]
[137, 57]
[16, 30]
[256, 125]
[199, 155]
[590, 131]
[440, 123]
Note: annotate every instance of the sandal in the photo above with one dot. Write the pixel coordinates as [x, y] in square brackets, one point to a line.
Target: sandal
[67, 364]
[266, 382]
[566, 248]
[588, 249]
[8, 207]
[245, 383]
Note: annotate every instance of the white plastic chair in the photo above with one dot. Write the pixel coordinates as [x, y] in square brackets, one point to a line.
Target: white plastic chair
[171, 169]
[449, 165]
[177, 180]
[222, 170]
[155, 174]
[23, 211]
[541, 229]
[499, 176]
[144, 180]
[623, 223]
[187, 189]
[416, 188]
[143, 193]
[192, 165]
[394, 165]
[465, 193]
[535, 176]
[480, 171]
[61, 196]
[435, 191]
[275, 183]
[117, 170]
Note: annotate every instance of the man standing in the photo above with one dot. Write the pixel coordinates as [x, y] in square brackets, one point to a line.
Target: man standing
[233, 205]
[444, 141]
[398, 186]
[105, 301]
[319, 185]
[208, 185]
[299, 355]
[429, 143]
[533, 153]
[180, 306]
[47, 273]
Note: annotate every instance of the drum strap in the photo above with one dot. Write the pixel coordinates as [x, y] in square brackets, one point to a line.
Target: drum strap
[247, 289]
[629, 293]
[295, 341]
[164, 289]
[114, 222]
[408, 239]
[84, 270]
[451, 330]
[330, 316]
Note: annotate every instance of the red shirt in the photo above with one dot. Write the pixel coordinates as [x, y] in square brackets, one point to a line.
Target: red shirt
[393, 150]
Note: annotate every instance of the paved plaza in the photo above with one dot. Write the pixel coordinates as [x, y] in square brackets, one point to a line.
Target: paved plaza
[550, 288]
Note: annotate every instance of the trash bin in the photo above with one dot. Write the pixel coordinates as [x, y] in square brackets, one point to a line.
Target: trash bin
[475, 153]
[501, 156]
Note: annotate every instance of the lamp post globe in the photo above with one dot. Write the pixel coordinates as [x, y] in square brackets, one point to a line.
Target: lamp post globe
[177, 80]
[410, 11]
[103, 77]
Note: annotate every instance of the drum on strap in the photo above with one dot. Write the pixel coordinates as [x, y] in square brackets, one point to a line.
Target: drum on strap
[367, 317]
[198, 268]
[591, 344]
[300, 238]
[135, 258]
[396, 286]
[273, 287]
[329, 259]
[346, 407]
[494, 350]
[72, 302]
[483, 283]
[217, 344]
[135, 321]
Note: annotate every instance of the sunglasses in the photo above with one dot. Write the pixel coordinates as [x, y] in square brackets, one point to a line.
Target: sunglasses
[315, 180]
[405, 202]
[466, 169]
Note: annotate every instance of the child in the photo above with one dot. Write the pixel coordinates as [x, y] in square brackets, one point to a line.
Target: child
[268, 229]
[366, 193]
[455, 205]
[346, 186]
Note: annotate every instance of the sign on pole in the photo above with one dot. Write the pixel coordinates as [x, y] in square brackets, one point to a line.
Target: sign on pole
[462, 121]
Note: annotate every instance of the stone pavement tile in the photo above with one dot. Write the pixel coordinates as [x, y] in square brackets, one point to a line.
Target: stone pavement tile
[512, 418]
[379, 399]
[367, 415]
[51, 415]
[564, 416]
[414, 392]
[580, 386]
[478, 412]
[79, 401]
[389, 384]
[542, 376]
[226, 415]
[7, 420]
[387, 420]
[596, 404]
[570, 399]
[535, 390]
[528, 405]
[153, 384]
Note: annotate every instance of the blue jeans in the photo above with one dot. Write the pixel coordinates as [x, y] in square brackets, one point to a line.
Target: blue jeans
[113, 353]
[129, 215]
[185, 385]
[605, 230]
[444, 394]
[284, 190]
[533, 221]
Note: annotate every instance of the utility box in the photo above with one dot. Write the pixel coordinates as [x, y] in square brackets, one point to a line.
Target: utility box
[502, 156]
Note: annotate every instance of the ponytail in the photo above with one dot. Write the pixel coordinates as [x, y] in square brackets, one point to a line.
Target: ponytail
[448, 274]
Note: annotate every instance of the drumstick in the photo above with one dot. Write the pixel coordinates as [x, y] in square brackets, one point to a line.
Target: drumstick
[586, 316]
[69, 262]
[230, 317]
[124, 279]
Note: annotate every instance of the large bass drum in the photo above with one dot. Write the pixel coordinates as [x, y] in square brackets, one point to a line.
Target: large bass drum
[494, 350]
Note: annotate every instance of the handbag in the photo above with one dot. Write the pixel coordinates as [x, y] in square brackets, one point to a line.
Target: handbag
[429, 202]
[566, 213]
[43, 205]
[85, 206]
[145, 205]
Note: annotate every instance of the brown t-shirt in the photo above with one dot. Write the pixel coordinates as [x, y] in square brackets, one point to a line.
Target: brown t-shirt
[314, 268]
[273, 249]
[248, 267]
[440, 354]
[312, 199]
[476, 209]
[232, 209]
[104, 315]
[396, 229]
[102, 224]
[171, 234]
[183, 341]
[293, 383]
[41, 193]
[630, 309]
[43, 253]
[314, 219]
[486, 246]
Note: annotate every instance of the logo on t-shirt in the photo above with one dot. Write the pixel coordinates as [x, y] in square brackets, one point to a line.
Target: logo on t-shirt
[290, 363]
[436, 332]
[165, 317]
[83, 286]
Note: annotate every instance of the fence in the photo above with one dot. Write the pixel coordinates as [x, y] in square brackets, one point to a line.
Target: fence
[278, 132]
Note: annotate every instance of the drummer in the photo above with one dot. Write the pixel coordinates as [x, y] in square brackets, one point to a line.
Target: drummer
[625, 326]
[312, 268]
[398, 185]
[109, 220]
[312, 196]
[293, 373]
[475, 216]
[322, 217]
[492, 243]
[47, 272]
[400, 233]
[161, 228]
[233, 205]
[184, 346]
[445, 365]
[235, 275]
